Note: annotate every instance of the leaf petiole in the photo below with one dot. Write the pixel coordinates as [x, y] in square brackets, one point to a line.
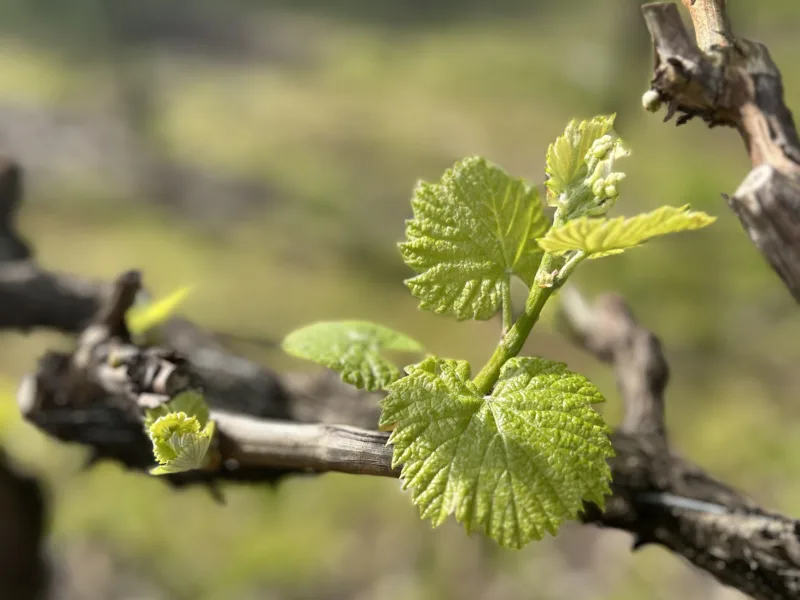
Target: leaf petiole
[508, 313]
[569, 267]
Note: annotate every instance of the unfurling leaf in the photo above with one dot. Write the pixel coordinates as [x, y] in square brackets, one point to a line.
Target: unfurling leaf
[580, 169]
[469, 234]
[353, 349]
[142, 318]
[190, 402]
[181, 445]
[603, 237]
[181, 433]
[515, 464]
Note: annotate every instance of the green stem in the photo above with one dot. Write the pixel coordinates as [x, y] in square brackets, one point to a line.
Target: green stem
[515, 336]
[513, 340]
[507, 308]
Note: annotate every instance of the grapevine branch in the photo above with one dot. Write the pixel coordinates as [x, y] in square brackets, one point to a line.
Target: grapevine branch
[272, 426]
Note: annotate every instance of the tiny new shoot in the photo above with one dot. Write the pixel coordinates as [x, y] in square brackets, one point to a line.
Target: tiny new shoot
[179, 428]
[516, 449]
[181, 432]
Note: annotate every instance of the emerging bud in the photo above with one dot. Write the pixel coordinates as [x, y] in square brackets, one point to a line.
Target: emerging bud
[600, 148]
[602, 208]
[611, 183]
[651, 101]
[598, 187]
[546, 280]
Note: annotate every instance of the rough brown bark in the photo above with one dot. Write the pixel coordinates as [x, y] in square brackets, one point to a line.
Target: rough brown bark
[734, 82]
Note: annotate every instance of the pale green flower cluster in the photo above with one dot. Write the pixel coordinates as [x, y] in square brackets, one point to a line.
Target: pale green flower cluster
[603, 180]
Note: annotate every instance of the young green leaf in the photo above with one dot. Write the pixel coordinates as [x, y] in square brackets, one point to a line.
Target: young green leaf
[190, 402]
[515, 464]
[181, 433]
[352, 348]
[179, 444]
[469, 234]
[146, 316]
[603, 237]
[566, 157]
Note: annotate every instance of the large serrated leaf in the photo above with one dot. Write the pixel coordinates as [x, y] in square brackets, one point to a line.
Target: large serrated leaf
[515, 464]
[566, 162]
[469, 234]
[603, 237]
[353, 349]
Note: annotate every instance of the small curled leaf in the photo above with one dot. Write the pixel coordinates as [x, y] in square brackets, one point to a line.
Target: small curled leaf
[580, 168]
[179, 444]
[190, 402]
[181, 433]
[566, 157]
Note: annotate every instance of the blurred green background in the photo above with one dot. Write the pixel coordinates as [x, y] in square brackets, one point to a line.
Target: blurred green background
[265, 151]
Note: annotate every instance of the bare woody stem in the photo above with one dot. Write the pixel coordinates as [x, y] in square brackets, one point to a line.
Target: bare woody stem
[315, 447]
[712, 26]
[734, 82]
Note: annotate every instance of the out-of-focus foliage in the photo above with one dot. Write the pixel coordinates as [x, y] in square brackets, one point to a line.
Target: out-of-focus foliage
[143, 317]
[267, 153]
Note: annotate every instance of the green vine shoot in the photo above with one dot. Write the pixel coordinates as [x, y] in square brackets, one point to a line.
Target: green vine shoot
[514, 449]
